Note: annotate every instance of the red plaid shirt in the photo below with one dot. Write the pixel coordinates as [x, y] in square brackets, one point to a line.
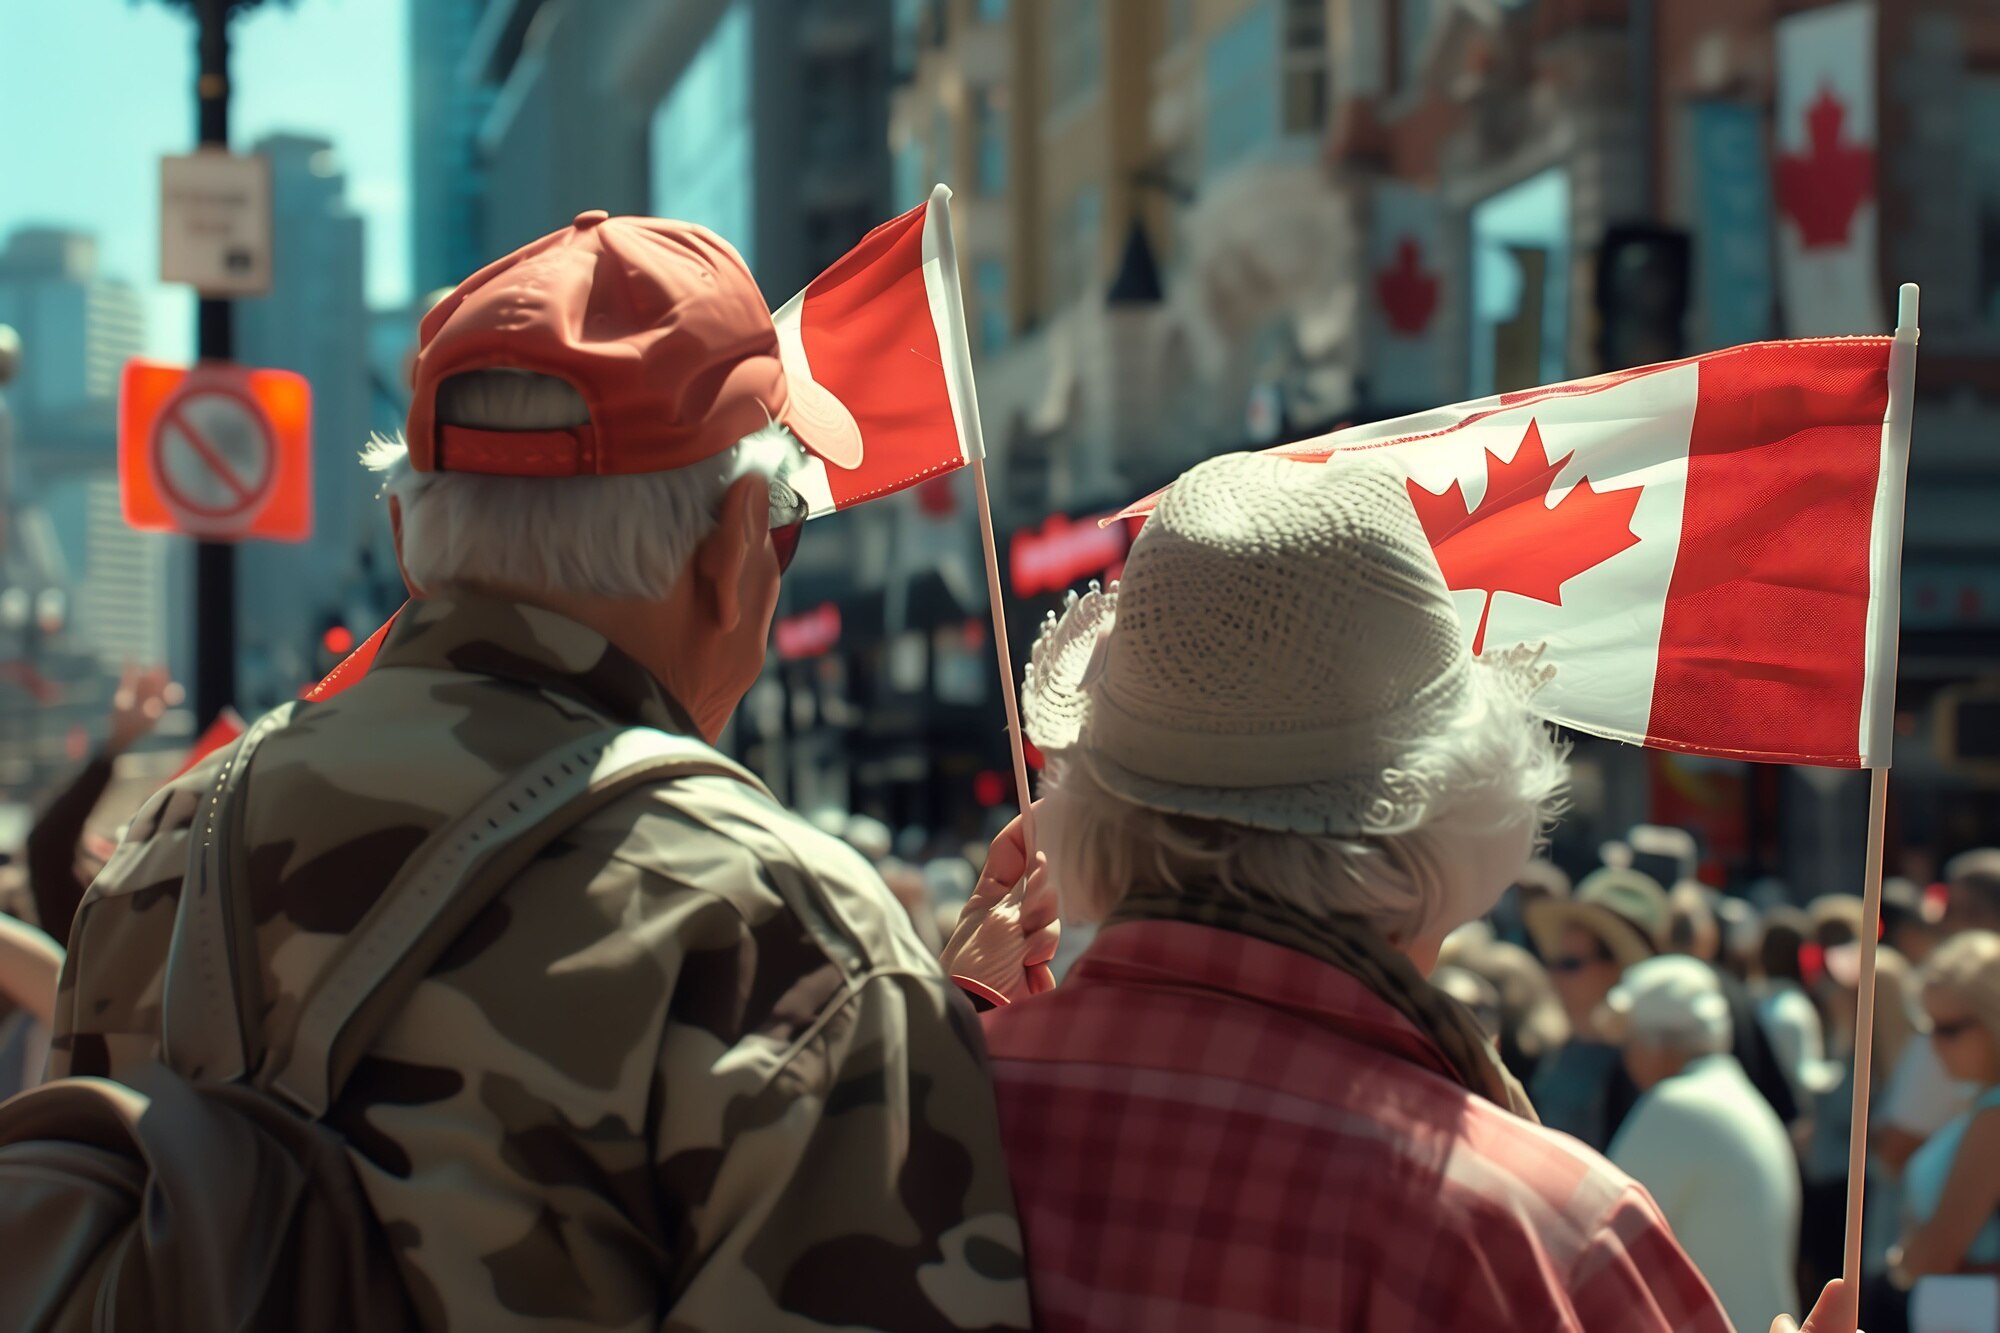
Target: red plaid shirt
[1208, 1131]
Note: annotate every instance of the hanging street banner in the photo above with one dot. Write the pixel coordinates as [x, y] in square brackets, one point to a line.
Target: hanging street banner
[1825, 171]
[1405, 296]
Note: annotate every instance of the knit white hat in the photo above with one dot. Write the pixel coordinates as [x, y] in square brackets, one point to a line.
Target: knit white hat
[1284, 648]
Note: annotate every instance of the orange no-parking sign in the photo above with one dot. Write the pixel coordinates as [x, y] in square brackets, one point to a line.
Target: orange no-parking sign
[219, 451]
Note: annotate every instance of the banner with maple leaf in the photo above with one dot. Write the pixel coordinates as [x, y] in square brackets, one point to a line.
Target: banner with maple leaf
[1709, 549]
[1824, 171]
[1406, 295]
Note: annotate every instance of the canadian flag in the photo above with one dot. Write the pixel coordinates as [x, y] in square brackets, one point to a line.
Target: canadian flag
[1709, 548]
[1824, 170]
[884, 331]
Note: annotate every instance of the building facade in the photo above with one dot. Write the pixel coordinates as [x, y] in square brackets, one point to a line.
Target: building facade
[314, 321]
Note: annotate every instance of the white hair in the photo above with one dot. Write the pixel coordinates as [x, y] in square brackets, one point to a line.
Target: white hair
[616, 536]
[1492, 784]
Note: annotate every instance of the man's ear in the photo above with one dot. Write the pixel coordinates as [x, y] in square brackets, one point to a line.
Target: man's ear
[739, 530]
[396, 535]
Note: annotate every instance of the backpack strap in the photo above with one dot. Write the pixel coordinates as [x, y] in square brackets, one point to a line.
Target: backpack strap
[449, 880]
[213, 985]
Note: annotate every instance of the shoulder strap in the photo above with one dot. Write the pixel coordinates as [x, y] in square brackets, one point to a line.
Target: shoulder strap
[450, 879]
[213, 986]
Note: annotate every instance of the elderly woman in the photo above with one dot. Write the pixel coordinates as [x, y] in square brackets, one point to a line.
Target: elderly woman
[1951, 1187]
[1279, 780]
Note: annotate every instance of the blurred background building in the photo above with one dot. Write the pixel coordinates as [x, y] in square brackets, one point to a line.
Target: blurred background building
[1185, 227]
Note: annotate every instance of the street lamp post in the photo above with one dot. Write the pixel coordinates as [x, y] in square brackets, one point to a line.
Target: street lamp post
[215, 562]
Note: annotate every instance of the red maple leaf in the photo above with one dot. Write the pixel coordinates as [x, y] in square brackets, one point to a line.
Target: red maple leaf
[1823, 188]
[1409, 295]
[1514, 541]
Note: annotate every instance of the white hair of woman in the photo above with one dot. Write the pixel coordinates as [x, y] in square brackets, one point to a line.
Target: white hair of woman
[1275, 712]
[610, 537]
[1674, 1004]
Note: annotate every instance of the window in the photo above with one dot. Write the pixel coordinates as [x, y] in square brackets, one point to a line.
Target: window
[903, 52]
[1413, 31]
[910, 185]
[989, 284]
[1520, 285]
[1073, 267]
[1982, 142]
[702, 149]
[836, 94]
[1076, 36]
[1240, 87]
[989, 136]
[992, 11]
[941, 163]
[1305, 56]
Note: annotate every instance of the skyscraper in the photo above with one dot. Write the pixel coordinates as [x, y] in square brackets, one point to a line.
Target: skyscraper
[447, 107]
[315, 321]
[77, 329]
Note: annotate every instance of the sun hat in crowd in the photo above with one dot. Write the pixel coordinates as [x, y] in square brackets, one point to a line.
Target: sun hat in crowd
[1671, 997]
[656, 324]
[1284, 647]
[1626, 909]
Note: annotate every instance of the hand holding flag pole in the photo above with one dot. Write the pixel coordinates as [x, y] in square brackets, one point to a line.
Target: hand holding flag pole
[965, 407]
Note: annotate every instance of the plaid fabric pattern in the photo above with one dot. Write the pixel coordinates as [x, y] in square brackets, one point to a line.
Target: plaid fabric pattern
[1212, 1131]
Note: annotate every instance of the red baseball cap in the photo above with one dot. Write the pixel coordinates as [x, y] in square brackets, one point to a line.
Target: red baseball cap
[657, 324]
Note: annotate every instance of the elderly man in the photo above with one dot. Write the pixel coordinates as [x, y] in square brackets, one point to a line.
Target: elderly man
[1704, 1141]
[690, 1068]
[1245, 1108]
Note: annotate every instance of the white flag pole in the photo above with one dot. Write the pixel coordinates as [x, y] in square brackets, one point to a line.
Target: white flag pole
[941, 281]
[1885, 614]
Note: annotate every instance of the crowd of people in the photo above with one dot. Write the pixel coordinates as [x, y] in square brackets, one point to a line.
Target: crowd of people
[483, 992]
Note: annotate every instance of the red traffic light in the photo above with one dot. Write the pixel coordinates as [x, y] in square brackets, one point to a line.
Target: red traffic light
[339, 640]
[989, 788]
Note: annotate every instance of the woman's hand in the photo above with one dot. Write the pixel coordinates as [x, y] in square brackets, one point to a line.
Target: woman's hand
[1836, 1311]
[1008, 930]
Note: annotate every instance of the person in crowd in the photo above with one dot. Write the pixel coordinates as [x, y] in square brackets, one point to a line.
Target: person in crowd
[1951, 1185]
[1910, 925]
[1532, 1022]
[1785, 1007]
[907, 883]
[62, 858]
[1475, 993]
[1539, 881]
[691, 1067]
[1246, 1108]
[1898, 1020]
[30, 964]
[1693, 929]
[1703, 1141]
[1836, 920]
[1923, 1097]
[870, 837]
[1617, 920]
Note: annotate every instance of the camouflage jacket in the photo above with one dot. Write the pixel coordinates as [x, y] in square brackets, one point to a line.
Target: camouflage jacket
[690, 1070]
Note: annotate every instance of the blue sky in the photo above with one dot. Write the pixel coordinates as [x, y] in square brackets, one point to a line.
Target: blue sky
[93, 92]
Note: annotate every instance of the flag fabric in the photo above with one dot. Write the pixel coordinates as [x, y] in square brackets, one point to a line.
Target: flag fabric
[1824, 173]
[228, 725]
[1708, 548]
[884, 331]
[351, 668]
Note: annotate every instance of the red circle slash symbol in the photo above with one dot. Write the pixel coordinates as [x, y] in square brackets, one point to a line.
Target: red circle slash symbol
[213, 457]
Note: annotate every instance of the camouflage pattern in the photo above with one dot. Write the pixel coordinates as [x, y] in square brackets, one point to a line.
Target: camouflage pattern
[691, 1070]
